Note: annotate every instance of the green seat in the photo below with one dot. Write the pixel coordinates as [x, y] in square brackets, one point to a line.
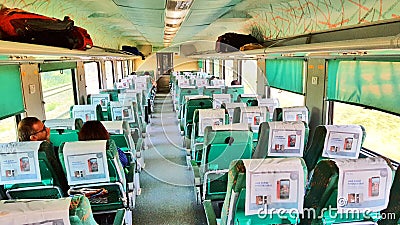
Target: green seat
[271, 104]
[219, 99]
[47, 184]
[222, 144]
[230, 108]
[86, 112]
[185, 91]
[85, 163]
[235, 91]
[248, 99]
[253, 116]
[354, 185]
[281, 139]
[295, 113]
[211, 90]
[57, 137]
[191, 104]
[314, 152]
[102, 100]
[201, 119]
[112, 92]
[274, 184]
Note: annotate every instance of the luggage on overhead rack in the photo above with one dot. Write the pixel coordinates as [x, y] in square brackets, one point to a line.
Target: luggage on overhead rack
[22, 26]
[230, 42]
[133, 50]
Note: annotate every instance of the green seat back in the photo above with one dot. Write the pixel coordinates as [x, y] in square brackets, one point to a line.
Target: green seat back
[235, 91]
[393, 207]
[210, 90]
[313, 154]
[58, 138]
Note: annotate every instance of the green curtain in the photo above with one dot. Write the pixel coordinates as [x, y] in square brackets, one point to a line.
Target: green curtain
[369, 83]
[11, 102]
[286, 74]
[46, 67]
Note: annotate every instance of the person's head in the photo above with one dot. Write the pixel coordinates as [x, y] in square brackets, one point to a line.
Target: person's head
[93, 130]
[235, 82]
[32, 129]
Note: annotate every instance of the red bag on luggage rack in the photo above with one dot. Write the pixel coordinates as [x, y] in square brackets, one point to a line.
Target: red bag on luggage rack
[21, 26]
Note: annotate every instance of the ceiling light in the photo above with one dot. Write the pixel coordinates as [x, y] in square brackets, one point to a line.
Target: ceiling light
[173, 21]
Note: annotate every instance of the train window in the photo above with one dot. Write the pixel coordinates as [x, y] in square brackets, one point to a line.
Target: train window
[58, 94]
[8, 130]
[119, 70]
[249, 76]
[216, 69]
[125, 64]
[228, 71]
[383, 132]
[92, 78]
[286, 98]
[109, 75]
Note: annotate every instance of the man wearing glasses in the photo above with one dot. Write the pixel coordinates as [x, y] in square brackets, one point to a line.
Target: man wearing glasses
[32, 129]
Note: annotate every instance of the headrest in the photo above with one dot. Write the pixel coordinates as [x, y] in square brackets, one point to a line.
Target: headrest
[201, 82]
[342, 141]
[86, 162]
[85, 112]
[115, 127]
[218, 82]
[296, 113]
[115, 104]
[274, 183]
[286, 139]
[210, 117]
[35, 211]
[233, 105]
[67, 124]
[182, 82]
[254, 116]
[364, 184]
[213, 87]
[218, 99]
[141, 83]
[19, 162]
[228, 127]
[270, 103]
[100, 99]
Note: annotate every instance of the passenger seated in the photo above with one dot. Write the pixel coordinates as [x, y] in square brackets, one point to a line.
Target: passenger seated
[32, 129]
[94, 130]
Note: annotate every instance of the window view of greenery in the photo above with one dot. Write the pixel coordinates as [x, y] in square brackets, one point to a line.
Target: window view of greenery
[57, 93]
[8, 130]
[287, 99]
[383, 131]
[92, 78]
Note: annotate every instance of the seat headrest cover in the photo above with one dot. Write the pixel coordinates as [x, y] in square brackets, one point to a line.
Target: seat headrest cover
[19, 162]
[248, 95]
[86, 162]
[210, 117]
[191, 97]
[296, 113]
[364, 184]
[85, 112]
[40, 211]
[274, 183]
[342, 141]
[60, 123]
[233, 105]
[115, 127]
[286, 139]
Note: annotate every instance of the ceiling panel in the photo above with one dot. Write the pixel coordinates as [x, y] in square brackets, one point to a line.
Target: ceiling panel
[145, 17]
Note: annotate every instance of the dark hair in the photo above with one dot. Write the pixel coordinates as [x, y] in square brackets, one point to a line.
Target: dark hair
[93, 130]
[235, 82]
[25, 129]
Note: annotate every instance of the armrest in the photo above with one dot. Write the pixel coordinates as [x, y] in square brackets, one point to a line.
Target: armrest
[119, 217]
[209, 211]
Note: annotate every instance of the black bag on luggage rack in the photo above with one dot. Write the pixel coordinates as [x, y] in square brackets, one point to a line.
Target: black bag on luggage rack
[230, 42]
[21, 26]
